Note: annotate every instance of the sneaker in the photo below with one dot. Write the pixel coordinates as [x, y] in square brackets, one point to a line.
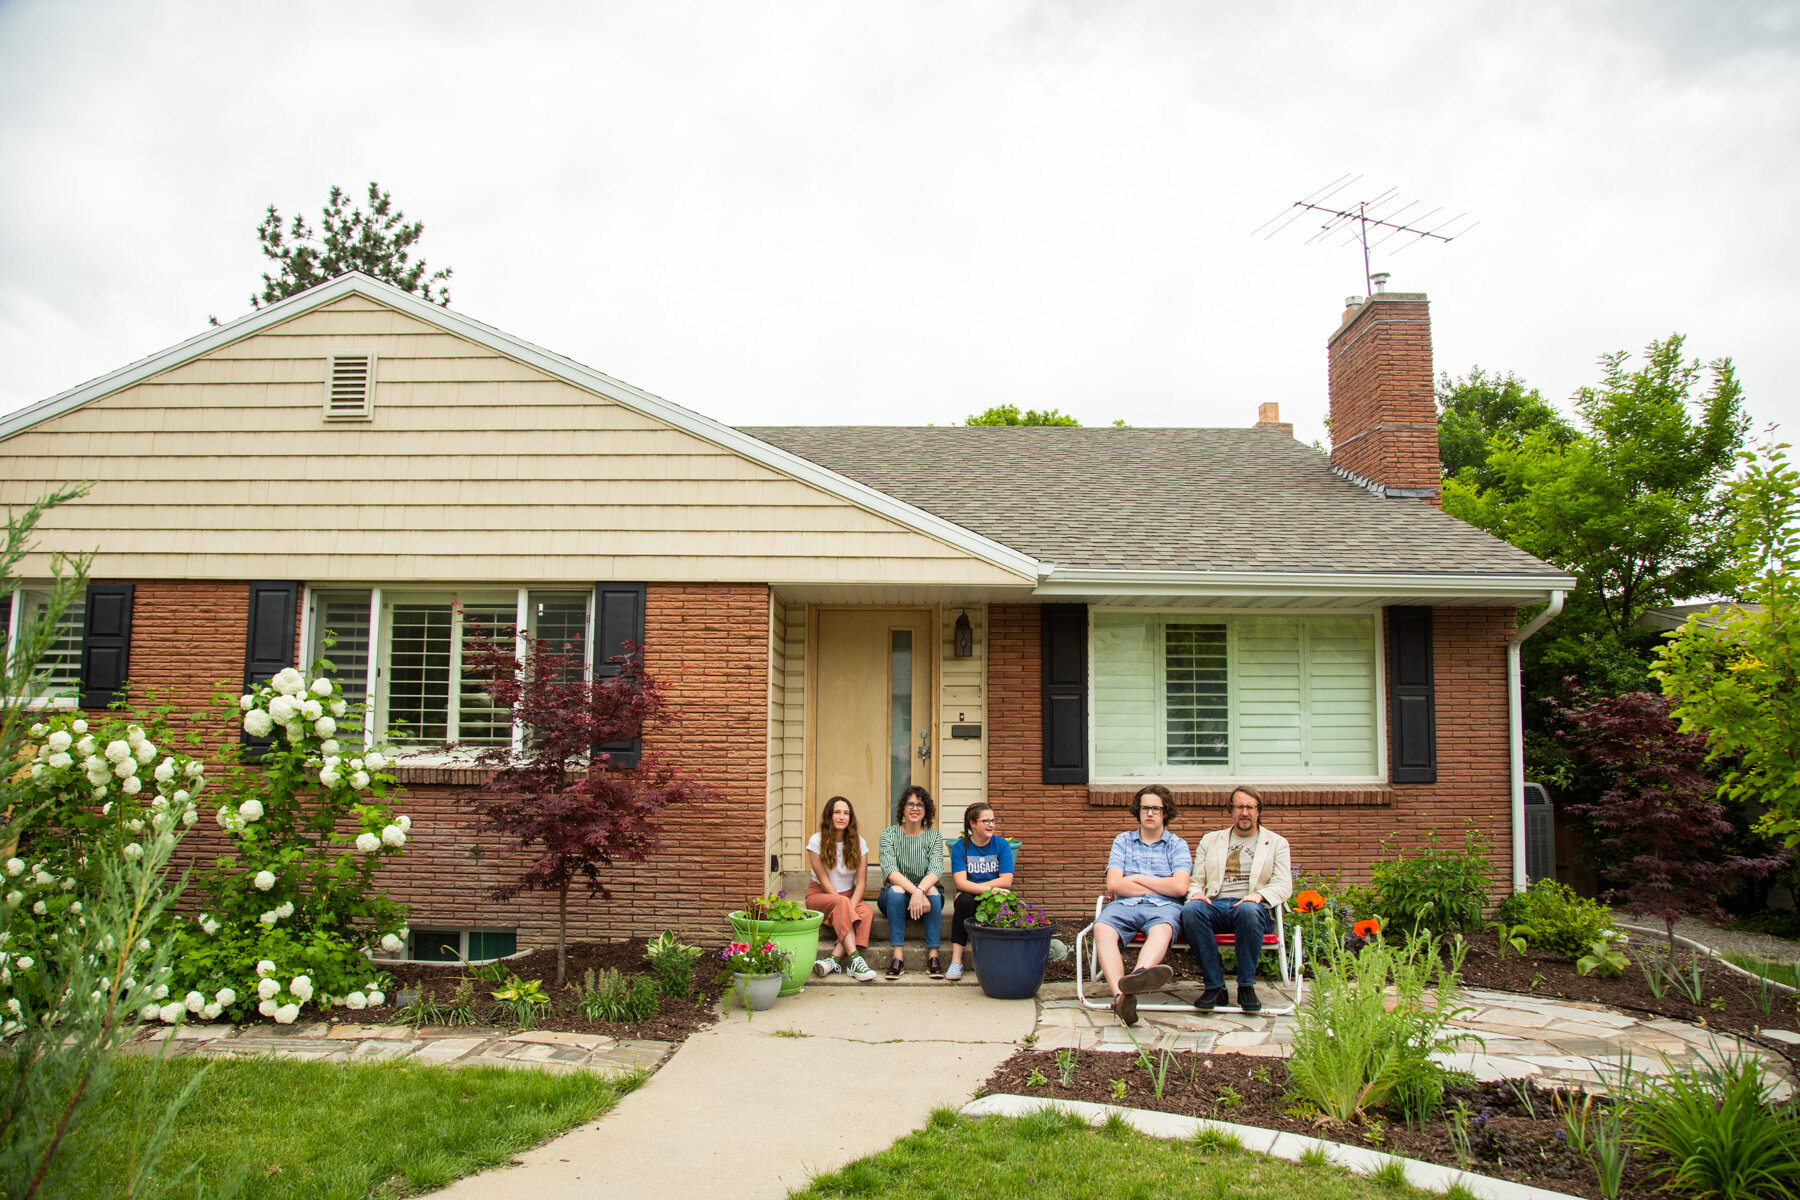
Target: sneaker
[1248, 1001]
[1124, 1007]
[859, 970]
[1210, 999]
[826, 966]
[953, 972]
[1147, 979]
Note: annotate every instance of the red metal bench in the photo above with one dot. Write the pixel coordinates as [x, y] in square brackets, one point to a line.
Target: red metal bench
[1277, 937]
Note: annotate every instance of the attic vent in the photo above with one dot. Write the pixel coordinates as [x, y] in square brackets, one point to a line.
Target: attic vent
[350, 392]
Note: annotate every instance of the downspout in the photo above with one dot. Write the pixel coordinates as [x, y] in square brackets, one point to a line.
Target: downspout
[1515, 731]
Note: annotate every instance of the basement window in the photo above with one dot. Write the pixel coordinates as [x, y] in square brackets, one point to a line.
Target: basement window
[350, 388]
[475, 945]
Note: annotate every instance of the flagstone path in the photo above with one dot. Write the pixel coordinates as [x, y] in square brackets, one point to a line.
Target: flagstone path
[1556, 1042]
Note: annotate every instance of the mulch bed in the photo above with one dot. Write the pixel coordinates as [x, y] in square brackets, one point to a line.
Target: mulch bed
[673, 1022]
[1512, 1144]
[1521, 1142]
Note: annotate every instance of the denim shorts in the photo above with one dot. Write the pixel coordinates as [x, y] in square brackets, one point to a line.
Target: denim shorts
[1129, 920]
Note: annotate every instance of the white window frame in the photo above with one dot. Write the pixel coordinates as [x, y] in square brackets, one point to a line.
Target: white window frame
[19, 606]
[382, 599]
[1182, 776]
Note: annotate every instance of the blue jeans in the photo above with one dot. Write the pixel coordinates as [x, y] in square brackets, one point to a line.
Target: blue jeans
[893, 904]
[1202, 919]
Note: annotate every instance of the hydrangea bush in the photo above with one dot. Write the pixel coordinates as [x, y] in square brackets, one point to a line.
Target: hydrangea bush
[288, 918]
[104, 791]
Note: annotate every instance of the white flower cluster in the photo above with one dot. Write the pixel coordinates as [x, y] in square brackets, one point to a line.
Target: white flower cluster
[294, 705]
[68, 747]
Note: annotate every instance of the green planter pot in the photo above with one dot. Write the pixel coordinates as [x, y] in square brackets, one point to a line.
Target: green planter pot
[799, 938]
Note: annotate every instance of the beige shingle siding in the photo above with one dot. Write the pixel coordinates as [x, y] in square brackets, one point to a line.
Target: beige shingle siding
[962, 764]
[473, 466]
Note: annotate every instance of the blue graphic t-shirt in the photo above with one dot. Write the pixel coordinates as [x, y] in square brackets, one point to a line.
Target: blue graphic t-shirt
[983, 863]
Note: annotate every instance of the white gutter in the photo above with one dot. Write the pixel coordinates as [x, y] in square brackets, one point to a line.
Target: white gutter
[1375, 586]
[1515, 732]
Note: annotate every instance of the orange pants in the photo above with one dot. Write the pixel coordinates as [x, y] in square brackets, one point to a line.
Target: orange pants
[844, 914]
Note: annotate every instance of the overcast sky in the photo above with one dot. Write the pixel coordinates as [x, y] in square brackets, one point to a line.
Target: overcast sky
[829, 213]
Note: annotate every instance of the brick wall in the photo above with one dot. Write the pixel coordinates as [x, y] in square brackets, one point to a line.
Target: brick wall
[1067, 829]
[708, 643]
[1383, 409]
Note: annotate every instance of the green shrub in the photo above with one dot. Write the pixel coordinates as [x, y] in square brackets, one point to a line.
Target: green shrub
[1437, 889]
[609, 996]
[673, 964]
[1553, 919]
[1354, 1049]
[1711, 1131]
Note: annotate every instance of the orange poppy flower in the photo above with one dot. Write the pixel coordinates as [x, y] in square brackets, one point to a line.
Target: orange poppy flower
[1366, 929]
[1309, 901]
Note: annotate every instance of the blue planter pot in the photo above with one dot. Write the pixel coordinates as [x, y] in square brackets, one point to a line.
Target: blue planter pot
[1010, 963]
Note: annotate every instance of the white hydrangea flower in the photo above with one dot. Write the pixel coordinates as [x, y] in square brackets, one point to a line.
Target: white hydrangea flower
[143, 944]
[324, 727]
[288, 682]
[265, 968]
[295, 730]
[44, 878]
[126, 769]
[267, 1008]
[100, 791]
[264, 880]
[404, 932]
[267, 988]
[147, 1013]
[209, 926]
[118, 751]
[211, 1012]
[393, 836]
[78, 726]
[195, 769]
[376, 998]
[143, 752]
[391, 944]
[60, 760]
[15, 866]
[329, 748]
[181, 796]
[161, 992]
[189, 817]
[282, 709]
[338, 706]
[368, 843]
[321, 687]
[286, 1013]
[251, 810]
[360, 780]
[24, 962]
[14, 899]
[301, 988]
[404, 822]
[58, 741]
[246, 703]
[132, 786]
[40, 908]
[172, 1013]
[75, 906]
[196, 1001]
[311, 710]
[267, 918]
[285, 909]
[165, 771]
[356, 1000]
[329, 778]
[225, 996]
[38, 729]
[132, 851]
[135, 825]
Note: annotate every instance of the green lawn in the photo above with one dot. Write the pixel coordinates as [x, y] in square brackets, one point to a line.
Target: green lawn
[338, 1131]
[1057, 1155]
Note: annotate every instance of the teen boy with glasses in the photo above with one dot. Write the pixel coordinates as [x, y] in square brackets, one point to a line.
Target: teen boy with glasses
[1147, 872]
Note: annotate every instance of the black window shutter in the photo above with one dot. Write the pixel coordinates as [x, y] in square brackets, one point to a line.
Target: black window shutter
[105, 644]
[1065, 693]
[618, 632]
[1412, 695]
[268, 642]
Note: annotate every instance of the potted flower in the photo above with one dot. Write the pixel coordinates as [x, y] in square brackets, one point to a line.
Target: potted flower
[1011, 941]
[756, 972]
[790, 925]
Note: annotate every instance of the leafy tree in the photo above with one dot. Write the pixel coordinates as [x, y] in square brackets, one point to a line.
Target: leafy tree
[1660, 827]
[1009, 414]
[1486, 412]
[377, 242]
[1735, 679]
[558, 796]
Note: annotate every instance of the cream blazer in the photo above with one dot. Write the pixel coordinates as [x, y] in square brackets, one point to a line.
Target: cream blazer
[1271, 869]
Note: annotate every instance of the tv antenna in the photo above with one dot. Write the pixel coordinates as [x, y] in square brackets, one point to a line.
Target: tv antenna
[1356, 219]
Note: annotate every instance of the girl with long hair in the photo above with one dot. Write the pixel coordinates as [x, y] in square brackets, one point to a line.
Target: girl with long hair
[979, 862]
[839, 858]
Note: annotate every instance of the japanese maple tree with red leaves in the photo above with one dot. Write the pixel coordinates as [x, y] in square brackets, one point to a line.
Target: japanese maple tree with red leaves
[562, 800]
[1657, 816]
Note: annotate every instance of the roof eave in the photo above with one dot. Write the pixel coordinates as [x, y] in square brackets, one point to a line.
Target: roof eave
[1300, 585]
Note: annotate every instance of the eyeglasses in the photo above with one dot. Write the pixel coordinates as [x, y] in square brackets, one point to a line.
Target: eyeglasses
[1150, 808]
[1243, 808]
[985, 820]
[915, 804]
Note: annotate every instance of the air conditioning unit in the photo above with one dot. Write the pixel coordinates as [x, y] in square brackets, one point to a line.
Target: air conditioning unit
[1540, 834]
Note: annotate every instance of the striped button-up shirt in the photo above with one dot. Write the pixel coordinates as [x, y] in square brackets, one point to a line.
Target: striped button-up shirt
[1132, 855]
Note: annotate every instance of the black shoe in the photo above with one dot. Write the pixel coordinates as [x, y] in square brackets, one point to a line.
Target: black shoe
[1247, 999]
[1147, 979]
[1211, 998]
[1124, 1006]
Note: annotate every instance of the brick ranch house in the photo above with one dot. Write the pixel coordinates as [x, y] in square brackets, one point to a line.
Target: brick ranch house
[1042, 618]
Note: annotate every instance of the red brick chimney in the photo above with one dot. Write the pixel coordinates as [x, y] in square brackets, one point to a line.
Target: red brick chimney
[1268, 416]
[1383, 408]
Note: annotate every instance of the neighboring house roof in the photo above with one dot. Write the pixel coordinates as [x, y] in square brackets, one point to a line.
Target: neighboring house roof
[1180, 500]
[1709, 612]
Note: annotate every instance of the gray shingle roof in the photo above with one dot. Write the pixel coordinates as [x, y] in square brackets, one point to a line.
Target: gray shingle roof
[1154, 499]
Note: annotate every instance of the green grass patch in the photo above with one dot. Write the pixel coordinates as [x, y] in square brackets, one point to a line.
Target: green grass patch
[1054, 1154]
[1779, 972]
[338, 1131]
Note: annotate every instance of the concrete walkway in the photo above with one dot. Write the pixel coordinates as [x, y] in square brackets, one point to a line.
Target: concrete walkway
[755, 1108]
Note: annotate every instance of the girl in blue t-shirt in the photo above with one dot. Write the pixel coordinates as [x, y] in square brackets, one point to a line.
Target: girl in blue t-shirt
[979, 862]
